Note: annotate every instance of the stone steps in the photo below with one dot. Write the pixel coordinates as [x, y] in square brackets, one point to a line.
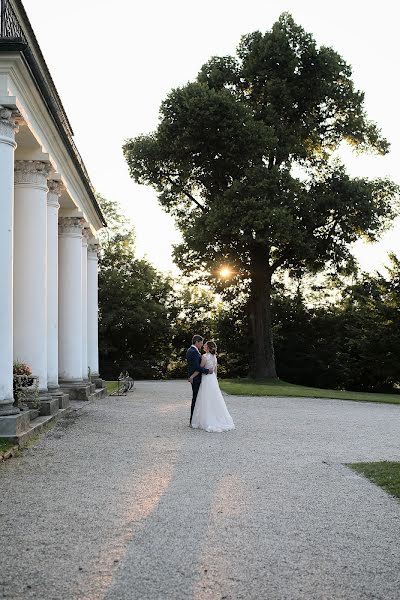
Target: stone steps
[99, 393]
[90, 395]
[32, 422]
[37, 426]
[99, 383]
[34, 413]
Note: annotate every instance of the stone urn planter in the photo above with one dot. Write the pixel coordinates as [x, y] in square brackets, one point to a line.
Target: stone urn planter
[26, 386]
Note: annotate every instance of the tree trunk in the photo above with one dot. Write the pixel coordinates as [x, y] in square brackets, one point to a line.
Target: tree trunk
[263, 357]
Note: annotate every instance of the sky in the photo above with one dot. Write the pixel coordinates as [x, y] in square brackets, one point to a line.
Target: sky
[114, 63]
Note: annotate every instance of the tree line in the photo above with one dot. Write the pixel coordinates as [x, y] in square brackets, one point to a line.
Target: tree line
[348, 341]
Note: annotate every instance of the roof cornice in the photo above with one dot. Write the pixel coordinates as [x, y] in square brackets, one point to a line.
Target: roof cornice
[16, 35]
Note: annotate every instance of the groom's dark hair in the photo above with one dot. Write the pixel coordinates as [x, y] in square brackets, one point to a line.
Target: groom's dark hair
[196, 338]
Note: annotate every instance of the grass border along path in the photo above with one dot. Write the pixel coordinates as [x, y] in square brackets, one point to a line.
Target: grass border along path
[111, 386]
[247, 387]
[7, 449]
[386, 474]
[5, 445]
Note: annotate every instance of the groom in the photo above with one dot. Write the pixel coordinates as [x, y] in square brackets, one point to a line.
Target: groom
[193, 358]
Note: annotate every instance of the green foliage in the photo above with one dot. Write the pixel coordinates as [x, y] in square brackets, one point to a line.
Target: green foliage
[111, 386]
[233, 339]
[134, 307]
[386, 474]
[196, 312]
[224, 160]
[353, 344]
[5, 445]
[279, 388]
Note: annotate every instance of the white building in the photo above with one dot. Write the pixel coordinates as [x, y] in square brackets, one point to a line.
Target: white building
[49, 218]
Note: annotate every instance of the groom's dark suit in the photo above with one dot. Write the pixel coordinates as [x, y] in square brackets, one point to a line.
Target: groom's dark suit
[193, 358]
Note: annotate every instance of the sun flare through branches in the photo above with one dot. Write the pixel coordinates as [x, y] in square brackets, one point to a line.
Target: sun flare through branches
[225, 272]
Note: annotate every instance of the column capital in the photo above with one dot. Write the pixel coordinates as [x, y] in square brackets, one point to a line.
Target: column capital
[8, 125]
[93, 248]
[55, 187]
[85, 236]
[70, 226]
[55, 191]
[33, 173]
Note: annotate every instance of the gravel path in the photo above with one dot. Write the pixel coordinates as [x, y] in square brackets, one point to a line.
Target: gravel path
[123, 501]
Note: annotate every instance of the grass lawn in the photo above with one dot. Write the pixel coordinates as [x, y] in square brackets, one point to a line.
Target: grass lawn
[247, 387]
[111, 386]
[5, 445]
[385, 474]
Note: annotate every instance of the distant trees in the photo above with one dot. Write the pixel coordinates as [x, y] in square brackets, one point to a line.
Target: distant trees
[242, 159]
[147, 321]
[195, 311]
[353, 344]
[135, 309]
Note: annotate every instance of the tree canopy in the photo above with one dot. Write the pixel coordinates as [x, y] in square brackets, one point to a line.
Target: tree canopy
[328, 333]
[242, 158]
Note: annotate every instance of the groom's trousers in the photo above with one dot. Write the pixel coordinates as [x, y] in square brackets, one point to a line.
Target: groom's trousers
[195, 389]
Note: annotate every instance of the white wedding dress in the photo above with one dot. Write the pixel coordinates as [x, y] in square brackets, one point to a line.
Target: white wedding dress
[210, 412]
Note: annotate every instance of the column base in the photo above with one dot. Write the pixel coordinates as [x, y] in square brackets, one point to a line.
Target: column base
[53, 388]
[97, 380]
[47, 404]
[63, 399]
[58, 394]
[8, 410]
[76, 390]
[14, 425]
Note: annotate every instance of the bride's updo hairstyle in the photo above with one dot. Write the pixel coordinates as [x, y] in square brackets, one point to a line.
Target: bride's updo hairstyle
[212, 347]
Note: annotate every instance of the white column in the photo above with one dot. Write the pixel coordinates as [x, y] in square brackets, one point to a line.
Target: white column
[92, 283]
[30, 266]
[85, 364]
[55, 188]
[7, 147]
[70, 300]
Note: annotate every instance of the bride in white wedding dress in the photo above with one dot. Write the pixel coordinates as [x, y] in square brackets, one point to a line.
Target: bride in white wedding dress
[210, 412]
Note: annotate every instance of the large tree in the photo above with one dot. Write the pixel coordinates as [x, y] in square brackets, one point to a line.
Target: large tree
[241, 159]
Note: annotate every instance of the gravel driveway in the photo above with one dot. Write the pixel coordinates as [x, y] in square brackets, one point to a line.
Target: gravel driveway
[123, 501]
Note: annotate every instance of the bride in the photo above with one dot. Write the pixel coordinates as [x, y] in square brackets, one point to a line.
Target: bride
[210, 412]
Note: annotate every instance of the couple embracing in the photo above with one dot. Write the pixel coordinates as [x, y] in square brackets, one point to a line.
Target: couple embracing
[208, 409]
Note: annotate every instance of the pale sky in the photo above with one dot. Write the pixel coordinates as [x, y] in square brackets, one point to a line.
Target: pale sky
[114, 62]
